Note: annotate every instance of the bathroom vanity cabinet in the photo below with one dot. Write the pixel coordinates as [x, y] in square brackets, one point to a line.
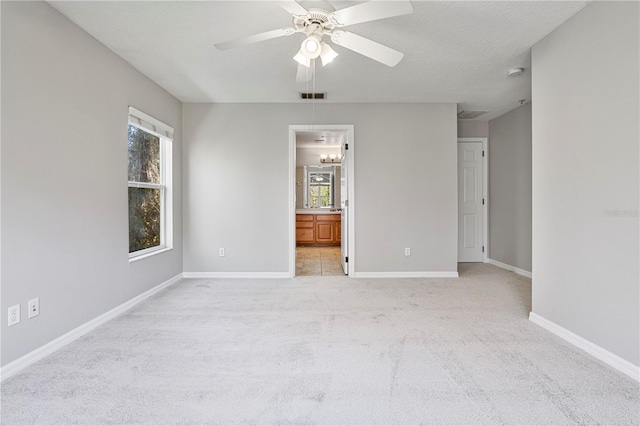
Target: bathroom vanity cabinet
[318, 229]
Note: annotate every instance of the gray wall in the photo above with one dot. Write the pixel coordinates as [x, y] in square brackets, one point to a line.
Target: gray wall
[473, 129]
[585, 166]
[236, 185]
[510, 188]
[64, 176]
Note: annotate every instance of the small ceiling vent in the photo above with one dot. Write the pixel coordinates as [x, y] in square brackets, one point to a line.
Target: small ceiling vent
[313, 95]
[466, 115]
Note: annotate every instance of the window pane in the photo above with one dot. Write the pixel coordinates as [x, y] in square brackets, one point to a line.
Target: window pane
[144, 156]
[313, 196]
[324, 194]
[320, 195]
[144, 218]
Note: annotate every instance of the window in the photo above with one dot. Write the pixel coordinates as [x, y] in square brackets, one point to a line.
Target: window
[319, 187]
[320, 194]
[149, 177]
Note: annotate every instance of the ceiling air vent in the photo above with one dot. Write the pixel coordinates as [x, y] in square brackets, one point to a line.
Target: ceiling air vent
[313, 95]
[466, 115]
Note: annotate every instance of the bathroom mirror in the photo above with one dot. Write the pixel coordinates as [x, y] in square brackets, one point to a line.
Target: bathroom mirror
[319, 187]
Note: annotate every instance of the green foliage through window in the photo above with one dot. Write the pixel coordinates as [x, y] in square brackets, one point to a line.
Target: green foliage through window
[144, 218]
[319, 195]
[145, 190]
[144, 156]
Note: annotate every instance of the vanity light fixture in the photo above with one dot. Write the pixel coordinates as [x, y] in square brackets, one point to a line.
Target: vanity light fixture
[332, 158]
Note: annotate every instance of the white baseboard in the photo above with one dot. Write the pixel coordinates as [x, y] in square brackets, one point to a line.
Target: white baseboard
[266, 275]
[24, 361]
[602, 354]
[509, 268]
[428, 274]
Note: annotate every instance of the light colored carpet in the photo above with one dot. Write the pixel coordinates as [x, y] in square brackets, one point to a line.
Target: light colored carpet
[325, 350]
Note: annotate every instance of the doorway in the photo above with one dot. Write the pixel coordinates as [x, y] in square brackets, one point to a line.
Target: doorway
[321, 199]
[472, 200]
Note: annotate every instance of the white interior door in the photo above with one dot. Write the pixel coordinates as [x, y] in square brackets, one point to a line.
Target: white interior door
[470, 202]
[344, 205]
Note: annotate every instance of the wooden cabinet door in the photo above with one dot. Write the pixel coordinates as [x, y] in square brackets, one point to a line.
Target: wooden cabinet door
[305, 235]
[305, 229]
[338, 232]
[324, 232]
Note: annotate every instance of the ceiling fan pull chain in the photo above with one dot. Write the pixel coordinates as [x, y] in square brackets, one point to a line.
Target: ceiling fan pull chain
[313, 64]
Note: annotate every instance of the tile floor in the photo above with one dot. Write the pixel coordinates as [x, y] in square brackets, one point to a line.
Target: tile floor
[318, 261]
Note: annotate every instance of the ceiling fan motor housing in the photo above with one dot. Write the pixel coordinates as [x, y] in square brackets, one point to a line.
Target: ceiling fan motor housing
[316, 21]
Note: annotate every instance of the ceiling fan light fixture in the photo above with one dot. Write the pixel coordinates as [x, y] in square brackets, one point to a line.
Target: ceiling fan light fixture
[311, 47]
[302, 59]
[327, 54]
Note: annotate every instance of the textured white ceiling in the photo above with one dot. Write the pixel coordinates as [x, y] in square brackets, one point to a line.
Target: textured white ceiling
[326, 139]
[455, 51]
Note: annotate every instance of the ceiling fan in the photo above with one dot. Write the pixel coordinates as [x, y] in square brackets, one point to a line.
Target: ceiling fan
[323, 20]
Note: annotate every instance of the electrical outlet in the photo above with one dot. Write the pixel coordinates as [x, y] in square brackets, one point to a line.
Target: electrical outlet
[33, 307]
[14, 315]
[407, 251]
[221, 252]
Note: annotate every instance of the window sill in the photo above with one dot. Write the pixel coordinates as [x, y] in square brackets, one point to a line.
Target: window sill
[133, 257]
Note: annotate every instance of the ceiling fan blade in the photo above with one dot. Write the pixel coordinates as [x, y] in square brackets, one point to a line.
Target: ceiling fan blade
[293, 7]
[255, 38]
[368, 48]
[304, 74]
[371, 11]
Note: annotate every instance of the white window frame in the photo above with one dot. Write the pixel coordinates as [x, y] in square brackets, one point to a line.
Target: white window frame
[310, 170]
[164, 132]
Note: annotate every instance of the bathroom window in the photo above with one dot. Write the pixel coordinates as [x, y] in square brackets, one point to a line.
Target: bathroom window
[319, 187]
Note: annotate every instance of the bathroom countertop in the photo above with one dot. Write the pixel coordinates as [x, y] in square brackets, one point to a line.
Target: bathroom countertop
[316, 211]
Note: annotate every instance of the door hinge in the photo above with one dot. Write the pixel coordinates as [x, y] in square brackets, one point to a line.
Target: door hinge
[483, 249]
[483, 201]
[483, 153]
[346, 259]
[346, 146]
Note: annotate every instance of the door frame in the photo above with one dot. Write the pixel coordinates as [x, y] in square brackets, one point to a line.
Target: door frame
[351, 235]
[485, 193]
